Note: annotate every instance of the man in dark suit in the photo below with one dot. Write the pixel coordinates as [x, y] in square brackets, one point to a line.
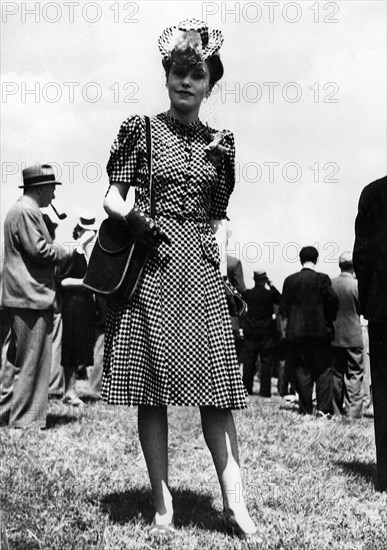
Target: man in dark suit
[260, 332]
[370, 263]
[309, 306]
[29, 295]
[347, 347]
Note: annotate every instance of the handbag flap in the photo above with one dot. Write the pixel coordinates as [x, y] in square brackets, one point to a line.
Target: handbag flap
[114, 236]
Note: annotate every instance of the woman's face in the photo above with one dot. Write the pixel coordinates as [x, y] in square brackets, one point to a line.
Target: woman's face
[187, 86]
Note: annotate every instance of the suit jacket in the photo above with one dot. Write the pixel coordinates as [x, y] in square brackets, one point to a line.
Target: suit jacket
[370, 251]
[309, 304]
[348, 333]
[259, 319]
[30, 257]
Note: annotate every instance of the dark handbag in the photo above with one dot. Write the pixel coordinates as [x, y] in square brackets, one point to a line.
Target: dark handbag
[236, 304]
[119, 255]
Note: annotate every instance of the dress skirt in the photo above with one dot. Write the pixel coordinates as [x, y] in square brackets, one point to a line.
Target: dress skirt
[78, 315]
[173, 344]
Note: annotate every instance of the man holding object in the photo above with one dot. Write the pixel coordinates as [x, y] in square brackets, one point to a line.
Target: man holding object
[29, 294]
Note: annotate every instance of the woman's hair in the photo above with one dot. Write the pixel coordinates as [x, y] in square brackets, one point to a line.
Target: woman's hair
[186, 59]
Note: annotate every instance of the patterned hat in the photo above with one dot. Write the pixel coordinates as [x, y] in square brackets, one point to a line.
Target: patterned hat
[190, 33]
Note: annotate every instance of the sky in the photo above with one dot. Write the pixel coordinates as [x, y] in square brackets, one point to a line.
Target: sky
[304, 92]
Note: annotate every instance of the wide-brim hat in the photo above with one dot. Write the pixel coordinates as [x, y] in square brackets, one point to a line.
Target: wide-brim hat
[87, 221]
[39, 174]
[209, 42]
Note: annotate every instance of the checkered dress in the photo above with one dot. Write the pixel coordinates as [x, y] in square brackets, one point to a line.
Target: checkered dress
[172, 344]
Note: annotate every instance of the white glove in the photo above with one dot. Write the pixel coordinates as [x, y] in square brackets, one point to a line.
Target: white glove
[84, 240]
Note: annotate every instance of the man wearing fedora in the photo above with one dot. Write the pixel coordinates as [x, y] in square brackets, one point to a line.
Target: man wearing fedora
[260, 332]
[370, 263]
[30, 257]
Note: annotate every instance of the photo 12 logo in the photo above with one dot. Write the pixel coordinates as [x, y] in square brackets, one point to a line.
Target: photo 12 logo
[289, 172]
[271, 92]
[69, 92]
[68, 171]
[270, 12]
[70, 12]
[271, 252]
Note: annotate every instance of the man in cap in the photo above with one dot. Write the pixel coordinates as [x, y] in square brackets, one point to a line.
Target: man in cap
[260, 332]
[370, 263]
[347, 346]
[309, 306]
[30, 257]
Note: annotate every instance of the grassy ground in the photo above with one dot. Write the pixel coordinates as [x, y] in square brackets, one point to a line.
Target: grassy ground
[82, 484]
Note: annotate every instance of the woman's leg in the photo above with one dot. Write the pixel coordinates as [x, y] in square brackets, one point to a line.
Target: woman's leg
[70, 393]
[153, 433]
[220, 435]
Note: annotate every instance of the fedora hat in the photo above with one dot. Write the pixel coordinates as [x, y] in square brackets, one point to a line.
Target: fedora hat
[38, 174]
[190, 32]
[260, 274]
[87, 221]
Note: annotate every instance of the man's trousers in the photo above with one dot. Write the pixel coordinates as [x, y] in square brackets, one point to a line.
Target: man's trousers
[262, 346]
[310, 360]
[347, 367]
[26, 375]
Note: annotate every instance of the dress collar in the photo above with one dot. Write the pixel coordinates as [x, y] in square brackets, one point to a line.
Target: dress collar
[178, 125]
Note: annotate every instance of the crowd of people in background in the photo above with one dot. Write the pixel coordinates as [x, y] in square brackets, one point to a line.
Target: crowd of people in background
[311, 336]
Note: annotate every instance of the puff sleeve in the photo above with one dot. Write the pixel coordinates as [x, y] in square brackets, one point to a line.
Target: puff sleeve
[127, 152]
[226, 179]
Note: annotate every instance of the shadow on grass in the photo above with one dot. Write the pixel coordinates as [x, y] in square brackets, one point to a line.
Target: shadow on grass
[54, 420]
[192, 509]
[367, 470]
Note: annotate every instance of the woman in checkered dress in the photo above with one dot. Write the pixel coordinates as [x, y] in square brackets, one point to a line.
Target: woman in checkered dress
[172, 343]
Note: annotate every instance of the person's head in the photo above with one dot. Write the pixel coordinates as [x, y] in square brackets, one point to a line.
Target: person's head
[345, 262]
[191, 63]
[39, 183]
[260, 277]
[308, 254]
[86, 222]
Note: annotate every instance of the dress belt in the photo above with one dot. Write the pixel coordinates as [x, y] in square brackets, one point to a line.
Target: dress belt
[180, 217]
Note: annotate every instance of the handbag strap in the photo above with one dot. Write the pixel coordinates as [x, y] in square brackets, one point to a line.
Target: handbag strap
[149, 159]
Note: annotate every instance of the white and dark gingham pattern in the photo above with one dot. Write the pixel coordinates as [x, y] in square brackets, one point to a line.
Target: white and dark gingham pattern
[211, 42]
[173, 343]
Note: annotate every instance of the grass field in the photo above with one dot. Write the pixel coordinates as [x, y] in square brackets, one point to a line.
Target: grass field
[82, 484]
